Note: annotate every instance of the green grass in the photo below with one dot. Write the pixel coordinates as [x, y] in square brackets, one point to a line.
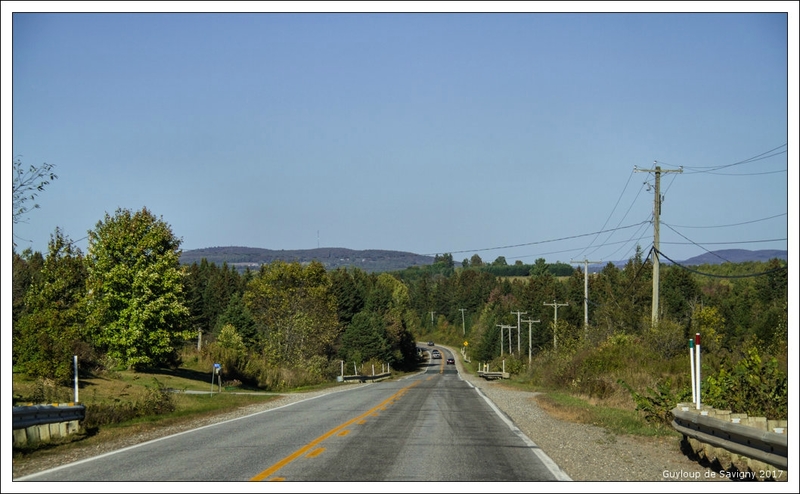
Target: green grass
[571, 408]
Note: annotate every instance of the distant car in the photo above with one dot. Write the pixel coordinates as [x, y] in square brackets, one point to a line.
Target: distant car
[436, 354]
[430, 343]
[451, 361]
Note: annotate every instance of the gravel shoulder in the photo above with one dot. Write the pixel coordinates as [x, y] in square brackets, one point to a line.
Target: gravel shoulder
[584, 452]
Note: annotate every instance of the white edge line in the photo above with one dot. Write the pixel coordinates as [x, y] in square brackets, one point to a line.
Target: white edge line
[546, 460]
[86, 460]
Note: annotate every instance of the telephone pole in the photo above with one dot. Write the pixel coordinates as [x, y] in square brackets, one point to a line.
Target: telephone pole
[519, 350]
[586, 293]
[555, 324]
[656, 215]
[501, 338]
[463, 327]
[529, 337]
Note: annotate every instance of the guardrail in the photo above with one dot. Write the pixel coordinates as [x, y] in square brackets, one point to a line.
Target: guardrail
[40, 423]
[365, 378]
[489, 376]
[719, 429]
[27, 416]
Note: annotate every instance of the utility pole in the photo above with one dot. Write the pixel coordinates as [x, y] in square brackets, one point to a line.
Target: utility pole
[463, 327]
[585, 293]
[529, 337]
[519, 350]
[656, 246]
[501, 338]
[432, 313]
[555, 324]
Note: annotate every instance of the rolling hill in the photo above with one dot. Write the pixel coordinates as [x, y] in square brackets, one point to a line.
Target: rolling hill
[377, 261]
[332, 258]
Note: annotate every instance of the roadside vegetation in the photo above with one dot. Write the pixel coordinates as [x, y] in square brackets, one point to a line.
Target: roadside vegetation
[141, 325]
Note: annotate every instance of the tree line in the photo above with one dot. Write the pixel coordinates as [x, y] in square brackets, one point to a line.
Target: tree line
[128, 303]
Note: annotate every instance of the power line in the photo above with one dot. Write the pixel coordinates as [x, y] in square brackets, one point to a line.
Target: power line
[724, 276]
[537, 243]
[732, 224]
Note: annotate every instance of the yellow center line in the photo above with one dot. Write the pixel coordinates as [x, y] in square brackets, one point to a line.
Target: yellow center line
[300, 452]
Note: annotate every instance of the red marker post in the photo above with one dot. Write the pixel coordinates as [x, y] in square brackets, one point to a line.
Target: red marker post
[697, 365]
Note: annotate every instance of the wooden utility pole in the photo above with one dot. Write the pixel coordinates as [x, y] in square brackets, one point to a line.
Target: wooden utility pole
[463, 327]
[530, 340]
[555, 324]
[519, 348]
[501, 338]
[586, 294]
[656, 245]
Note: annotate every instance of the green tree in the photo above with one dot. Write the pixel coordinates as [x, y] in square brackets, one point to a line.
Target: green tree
[26, 268]
[475, 261]
[295, 312]
[365, 339]
[237, 314]
[51, 330]
[137, 308]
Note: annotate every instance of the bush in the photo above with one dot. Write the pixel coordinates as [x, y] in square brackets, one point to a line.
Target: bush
[658, 404]
[750, 386]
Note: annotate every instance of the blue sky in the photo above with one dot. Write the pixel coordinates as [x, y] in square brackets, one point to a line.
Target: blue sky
[495, 134]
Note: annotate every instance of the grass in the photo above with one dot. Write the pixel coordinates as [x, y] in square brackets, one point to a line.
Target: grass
[567, 407]
[126, 387]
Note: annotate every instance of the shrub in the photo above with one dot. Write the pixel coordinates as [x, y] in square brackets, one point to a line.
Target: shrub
[658, 404]
[751, 386]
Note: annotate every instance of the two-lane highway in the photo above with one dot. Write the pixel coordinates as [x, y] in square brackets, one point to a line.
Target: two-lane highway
[432, 426]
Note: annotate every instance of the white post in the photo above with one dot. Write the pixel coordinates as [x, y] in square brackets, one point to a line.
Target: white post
[697, 370]
[504, 366]
[75, 360]
[342, 366]
[691, 364]
[355, 369]
[373, 369]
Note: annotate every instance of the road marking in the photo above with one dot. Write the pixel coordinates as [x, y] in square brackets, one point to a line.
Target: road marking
[302, 451]
[315, 453]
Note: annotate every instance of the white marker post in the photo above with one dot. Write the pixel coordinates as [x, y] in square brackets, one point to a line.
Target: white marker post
[691, 364]
[697, 365]
[75, 360]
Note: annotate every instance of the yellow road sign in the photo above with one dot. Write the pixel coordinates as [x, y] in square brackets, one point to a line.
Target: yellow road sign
[465, 343]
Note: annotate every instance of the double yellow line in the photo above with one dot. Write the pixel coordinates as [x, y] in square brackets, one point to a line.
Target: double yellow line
[305, 449]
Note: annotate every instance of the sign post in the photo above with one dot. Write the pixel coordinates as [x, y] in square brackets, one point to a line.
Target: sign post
[216, 373]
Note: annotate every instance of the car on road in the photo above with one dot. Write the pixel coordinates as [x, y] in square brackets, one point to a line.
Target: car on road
[436, 354]
[451, 361]
[430, 343]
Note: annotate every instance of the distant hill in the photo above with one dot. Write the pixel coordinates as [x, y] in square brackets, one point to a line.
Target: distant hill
[332, 258]
[378, 261]
[735, 256]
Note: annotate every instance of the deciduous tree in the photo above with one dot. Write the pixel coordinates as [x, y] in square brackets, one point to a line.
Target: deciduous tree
[135, 291]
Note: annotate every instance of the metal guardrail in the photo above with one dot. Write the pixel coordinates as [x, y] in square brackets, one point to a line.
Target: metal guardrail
[364, 378]
[28, 416]
[493, 375]
[764, 446]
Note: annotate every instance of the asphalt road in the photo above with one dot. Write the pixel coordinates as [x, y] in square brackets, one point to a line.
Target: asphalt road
[432, 426]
